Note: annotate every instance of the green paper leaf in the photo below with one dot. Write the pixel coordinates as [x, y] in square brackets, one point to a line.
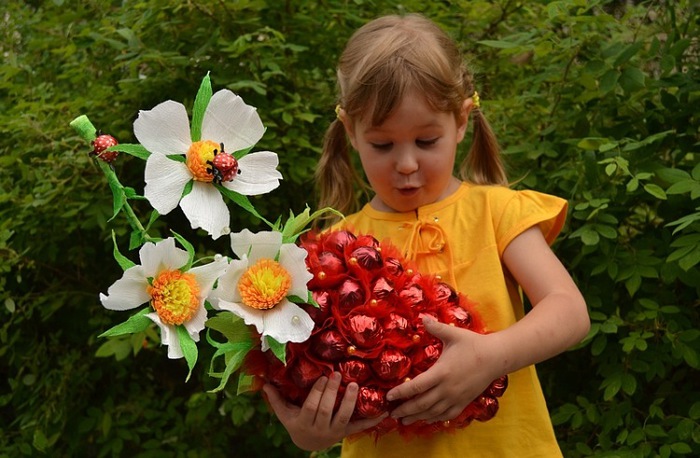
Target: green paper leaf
[131, 149]
[177, 157]
[152, 219]
[84, 127]
[188, 247]
[245, 383]
[230, 326]
[188, 188]
[124, 262]
[201, 102]
[296, 225]
[118, 195]
[136, 323]
[188, 347]
[136, 239]
[279, 349]
[242, 201]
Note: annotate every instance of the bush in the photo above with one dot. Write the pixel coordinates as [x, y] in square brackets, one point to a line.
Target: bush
[592, 101]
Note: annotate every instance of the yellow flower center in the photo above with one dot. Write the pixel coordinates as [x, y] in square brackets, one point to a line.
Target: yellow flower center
[174, 296]
[199, 158]
[264, 284]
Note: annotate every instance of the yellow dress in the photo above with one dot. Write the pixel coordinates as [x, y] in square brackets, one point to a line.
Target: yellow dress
[462, 238]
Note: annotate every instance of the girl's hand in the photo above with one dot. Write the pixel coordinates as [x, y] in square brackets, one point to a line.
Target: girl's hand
[464, 370]
[313, 425]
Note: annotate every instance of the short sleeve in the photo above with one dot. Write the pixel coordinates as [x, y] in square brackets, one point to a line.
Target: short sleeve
[517, 211]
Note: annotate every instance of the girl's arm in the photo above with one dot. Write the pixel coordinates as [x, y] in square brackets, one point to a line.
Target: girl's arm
[470, 361]
[313, 426]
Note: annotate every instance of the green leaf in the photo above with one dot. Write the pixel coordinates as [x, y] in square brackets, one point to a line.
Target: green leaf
[632, 79]
[124, 262]
[230, 326]
[201, 102]
[279, 349]
[136, 323]
[189, 248]
[188, 347]
[242, 201]
[498, 44]
[135, 150]
[655, 191]
[118, 195]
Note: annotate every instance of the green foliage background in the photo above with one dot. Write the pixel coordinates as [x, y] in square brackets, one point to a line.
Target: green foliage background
[595, 101]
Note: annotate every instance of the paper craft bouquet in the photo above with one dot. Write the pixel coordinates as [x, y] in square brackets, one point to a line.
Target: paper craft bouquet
[287, 306]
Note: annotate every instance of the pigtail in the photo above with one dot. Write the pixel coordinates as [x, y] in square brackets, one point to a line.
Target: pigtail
[335, 176]
[483, 164]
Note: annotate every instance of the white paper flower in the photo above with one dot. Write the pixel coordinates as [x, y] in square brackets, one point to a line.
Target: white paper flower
[257, 286]
[229, 123]
[176, 296]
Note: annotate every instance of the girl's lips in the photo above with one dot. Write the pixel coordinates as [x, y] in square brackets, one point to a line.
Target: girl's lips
[407, 191]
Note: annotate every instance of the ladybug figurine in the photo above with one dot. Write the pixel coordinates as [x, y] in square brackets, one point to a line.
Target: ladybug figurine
[100, 144]
[224, 167]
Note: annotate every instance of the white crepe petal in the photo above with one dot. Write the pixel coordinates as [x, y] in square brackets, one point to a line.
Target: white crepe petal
[165, 181]
[207, 274]
[162, 255]
[205, 208]
[258, 174]
[195, 325]
[168, 336]
[128, 292]
[265, 244]
[227, 288]
[230, 121]
[287, 322]
[165, 129]
[251, 316]
[293, 260]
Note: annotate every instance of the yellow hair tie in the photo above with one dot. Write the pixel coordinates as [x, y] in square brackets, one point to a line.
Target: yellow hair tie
[476, 99]
[337, 111]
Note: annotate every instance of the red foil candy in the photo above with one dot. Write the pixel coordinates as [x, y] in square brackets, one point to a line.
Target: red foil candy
[338, 240]
[365, 330]
[366, 257]
[354, 370]
[371, 402]
[382, 288]
[351, 294]
[305, 373]
[392, 365]
[393, 267]
[426, 357]
[330, 345]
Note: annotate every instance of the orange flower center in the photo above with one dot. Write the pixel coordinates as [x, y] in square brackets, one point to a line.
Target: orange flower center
[174, 296]
[264, 284]
[199, 158]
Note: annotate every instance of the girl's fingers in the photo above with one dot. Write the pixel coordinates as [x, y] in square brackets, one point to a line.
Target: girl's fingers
[313, 400]
[324, 414]
[347, 406]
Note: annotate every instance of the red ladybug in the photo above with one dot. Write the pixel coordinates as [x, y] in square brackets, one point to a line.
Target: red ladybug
[224, 166]
[100, 144]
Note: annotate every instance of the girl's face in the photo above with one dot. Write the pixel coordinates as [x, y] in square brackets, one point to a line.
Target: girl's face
[410, 157]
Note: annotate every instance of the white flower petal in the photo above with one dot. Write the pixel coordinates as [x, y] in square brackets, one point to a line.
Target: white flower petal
[162, 255]
[128, 292]
[258, 174]
[287, 322]
[195, 325]
[165, 181]
[168, 336]
[250, 315]
[165, 129]
[205, 208]
[263, 244]
[227, 288]
[207, 274]
[293, 260]
[230, 121]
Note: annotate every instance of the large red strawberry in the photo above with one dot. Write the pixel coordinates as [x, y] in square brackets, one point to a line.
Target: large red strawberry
[100, 144]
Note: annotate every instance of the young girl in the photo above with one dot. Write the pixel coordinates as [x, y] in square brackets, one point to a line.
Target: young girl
[405, 101]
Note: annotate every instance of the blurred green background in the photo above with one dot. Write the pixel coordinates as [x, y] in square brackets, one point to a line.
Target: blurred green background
[594, 101]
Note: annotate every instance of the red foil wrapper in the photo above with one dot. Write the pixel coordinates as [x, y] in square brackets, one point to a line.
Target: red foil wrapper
[369, 328]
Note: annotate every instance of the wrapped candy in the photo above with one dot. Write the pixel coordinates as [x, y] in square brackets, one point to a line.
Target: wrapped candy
[369, 311]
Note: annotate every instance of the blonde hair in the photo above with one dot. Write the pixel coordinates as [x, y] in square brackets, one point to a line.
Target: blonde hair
[384, 60]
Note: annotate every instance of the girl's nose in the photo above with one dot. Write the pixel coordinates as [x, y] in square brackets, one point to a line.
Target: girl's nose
[406, 162]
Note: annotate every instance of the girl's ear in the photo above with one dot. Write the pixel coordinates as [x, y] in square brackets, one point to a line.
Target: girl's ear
[463, 119]
[349, 126]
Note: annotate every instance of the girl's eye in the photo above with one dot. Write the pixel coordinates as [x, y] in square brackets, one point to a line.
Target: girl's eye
[426, 143]
[381, 146]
